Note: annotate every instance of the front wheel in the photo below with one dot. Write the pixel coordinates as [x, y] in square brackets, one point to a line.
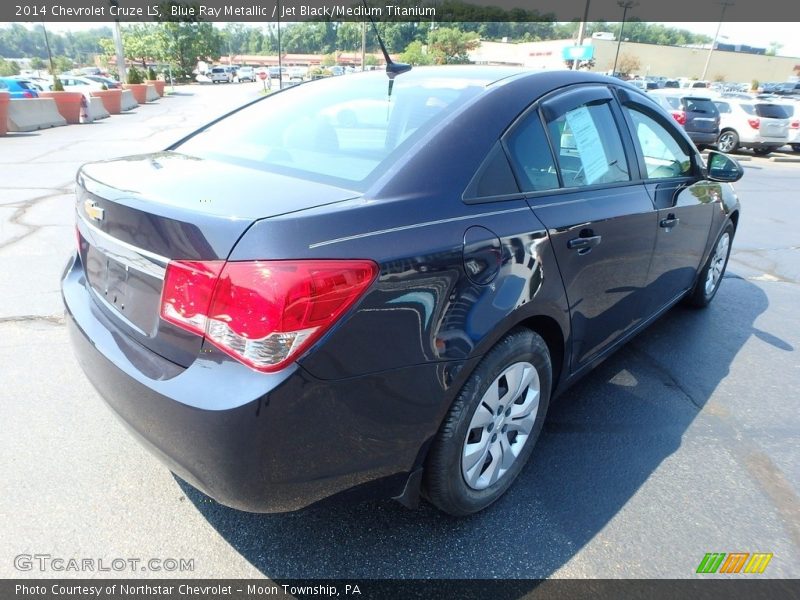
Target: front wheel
[762, 151]
[796, 147]
[489, 433]
[710, 276]
[728, 141]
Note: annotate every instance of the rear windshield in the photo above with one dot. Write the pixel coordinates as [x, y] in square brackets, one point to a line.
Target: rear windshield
[771, 111]
[699, 105]
[335, 130]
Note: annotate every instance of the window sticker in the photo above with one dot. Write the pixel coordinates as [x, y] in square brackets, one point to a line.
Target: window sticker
[587, 140]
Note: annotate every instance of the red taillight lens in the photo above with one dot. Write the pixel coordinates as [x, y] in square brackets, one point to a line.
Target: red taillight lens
[263, 313]
[754, 123]
[188, 288]
[795, 125]
[679, 116]
[27, 94]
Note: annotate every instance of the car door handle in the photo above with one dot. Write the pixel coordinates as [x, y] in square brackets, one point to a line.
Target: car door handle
[669, 222]
[584, 244]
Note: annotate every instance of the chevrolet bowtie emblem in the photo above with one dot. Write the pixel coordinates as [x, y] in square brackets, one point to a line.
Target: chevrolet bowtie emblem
[93, 211]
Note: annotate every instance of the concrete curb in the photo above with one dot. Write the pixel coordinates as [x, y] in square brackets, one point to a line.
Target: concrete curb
[128, 101]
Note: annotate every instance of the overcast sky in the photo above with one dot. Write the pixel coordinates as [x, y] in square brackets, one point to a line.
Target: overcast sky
[753, 34]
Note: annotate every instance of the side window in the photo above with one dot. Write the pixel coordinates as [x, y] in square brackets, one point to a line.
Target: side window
[664, 156]
[588, 147]
[723, 107]
[530, 154]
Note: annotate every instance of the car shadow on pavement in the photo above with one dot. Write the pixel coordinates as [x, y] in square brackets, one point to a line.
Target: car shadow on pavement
[601, 442]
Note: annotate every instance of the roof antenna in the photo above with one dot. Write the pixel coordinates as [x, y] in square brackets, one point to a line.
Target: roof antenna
[393, 69]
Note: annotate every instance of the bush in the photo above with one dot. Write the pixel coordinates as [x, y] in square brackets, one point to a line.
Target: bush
[151, 74]
[134, 76]
[57, 85]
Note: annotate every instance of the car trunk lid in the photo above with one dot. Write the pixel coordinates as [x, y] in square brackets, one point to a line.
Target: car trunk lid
[136, 214]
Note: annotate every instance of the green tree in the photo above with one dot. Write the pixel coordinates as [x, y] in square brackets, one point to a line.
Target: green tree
[8, 67]
[451, 46]
[416, 54]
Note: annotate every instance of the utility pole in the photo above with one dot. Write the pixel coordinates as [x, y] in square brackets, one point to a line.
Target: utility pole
[725, 4]
[118, 44]
[581, 33]
[363, 44]
[280, 59]
[625, 6]
[49, 54]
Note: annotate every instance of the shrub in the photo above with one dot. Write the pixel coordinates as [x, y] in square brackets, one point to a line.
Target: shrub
[57, 85]
[134, 76]
[151, 74]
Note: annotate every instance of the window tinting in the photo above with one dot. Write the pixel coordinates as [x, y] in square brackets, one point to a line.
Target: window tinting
[530, 154]
[771, 111]
[339, 129]
[588, 146]
[664, 156]
[700, 105]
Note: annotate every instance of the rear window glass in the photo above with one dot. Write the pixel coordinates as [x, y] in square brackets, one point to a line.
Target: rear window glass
[340, 128]
[771, 111]
[699, 105]
[673, 101]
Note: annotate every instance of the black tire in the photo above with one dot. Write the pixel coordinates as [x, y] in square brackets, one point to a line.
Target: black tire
[728, 141]
[444, 483]
[702, 294]
[762, 151]
[796, 147]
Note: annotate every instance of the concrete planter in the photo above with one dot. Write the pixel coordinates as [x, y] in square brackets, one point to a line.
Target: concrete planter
[159, 85]
[5, 98]
[112, 100]
[139, 91]
[68, 104]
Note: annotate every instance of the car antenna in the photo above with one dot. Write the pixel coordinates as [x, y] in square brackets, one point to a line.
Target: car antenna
[393, 69]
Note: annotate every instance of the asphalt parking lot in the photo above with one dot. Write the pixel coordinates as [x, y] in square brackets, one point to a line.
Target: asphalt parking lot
[685, 442]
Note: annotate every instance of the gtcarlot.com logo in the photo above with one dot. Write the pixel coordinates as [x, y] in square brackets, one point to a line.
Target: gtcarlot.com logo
[47, 562]
[734, 562]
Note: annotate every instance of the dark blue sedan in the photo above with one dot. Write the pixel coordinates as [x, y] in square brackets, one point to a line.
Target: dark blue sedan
[379, 285]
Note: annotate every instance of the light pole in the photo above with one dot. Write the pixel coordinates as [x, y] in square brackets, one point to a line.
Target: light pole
[725, 6]
[625, 6]
[581, 33]
[118, 45]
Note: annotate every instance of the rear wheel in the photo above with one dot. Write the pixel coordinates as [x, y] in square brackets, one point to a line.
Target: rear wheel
[796, 147]
[762, 151]
[489, 433]
[710, 276]
[728, 141]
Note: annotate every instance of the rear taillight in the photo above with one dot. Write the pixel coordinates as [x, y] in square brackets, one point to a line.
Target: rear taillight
[27, 94]
[679, 116]
[754, 123]
[262, 313]
[795, 124]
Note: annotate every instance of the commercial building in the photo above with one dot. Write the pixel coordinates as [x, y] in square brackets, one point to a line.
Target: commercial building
[652, 59]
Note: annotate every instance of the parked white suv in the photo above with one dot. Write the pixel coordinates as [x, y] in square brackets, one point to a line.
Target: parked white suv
[246, 74]
[759, 125]
[792, 108]
[219, 74]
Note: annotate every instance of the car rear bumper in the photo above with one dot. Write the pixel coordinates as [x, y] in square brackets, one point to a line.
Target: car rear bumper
[702, 137]
[253, 441]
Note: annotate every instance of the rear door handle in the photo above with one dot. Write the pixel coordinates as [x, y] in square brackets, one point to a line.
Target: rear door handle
[669, 222]
[584, 244]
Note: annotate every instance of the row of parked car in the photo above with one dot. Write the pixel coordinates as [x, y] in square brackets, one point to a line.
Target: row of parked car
[731, 121]
[29, 87]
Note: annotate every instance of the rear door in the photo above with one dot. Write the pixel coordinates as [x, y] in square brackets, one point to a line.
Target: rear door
[570, 159]
[773, 121]
[702, 115]
[684, 200]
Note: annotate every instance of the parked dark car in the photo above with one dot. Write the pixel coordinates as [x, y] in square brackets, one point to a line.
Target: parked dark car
[18, 88]
[697, 115]
[386, 311]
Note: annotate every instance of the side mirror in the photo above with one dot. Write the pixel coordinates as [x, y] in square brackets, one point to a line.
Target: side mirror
[722, 167]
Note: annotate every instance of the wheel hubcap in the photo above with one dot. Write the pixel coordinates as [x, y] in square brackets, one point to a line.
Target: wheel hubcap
[717, 264]
[501, 425]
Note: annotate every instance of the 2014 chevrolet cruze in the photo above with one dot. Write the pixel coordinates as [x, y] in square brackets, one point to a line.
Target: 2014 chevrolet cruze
[352, 285]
